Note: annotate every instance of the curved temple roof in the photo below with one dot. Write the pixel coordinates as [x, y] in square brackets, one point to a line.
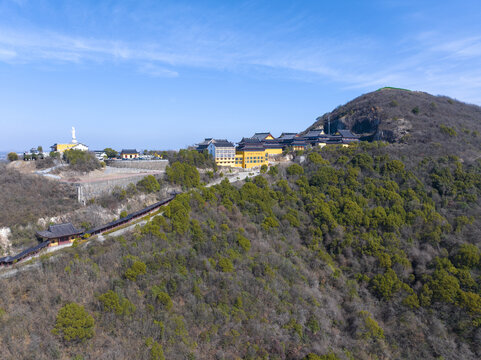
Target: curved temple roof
[61, 230]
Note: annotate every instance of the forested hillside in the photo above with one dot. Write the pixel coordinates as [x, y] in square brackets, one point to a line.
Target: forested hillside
[349, 253]
[430, 125]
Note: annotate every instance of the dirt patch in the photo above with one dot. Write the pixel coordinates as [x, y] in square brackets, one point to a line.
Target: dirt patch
[24, 167]
[5, 244]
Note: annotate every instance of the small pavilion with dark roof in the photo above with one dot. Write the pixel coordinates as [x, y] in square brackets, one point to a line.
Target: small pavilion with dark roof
[347, 136]
[59, 233]
[129, 154]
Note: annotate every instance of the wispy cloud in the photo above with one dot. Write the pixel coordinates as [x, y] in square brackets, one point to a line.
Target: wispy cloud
[469, 47]
[157, 71]
[420, 62]
[7, 55]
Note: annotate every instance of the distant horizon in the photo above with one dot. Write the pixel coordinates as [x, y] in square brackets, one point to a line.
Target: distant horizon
[200, 139]
[167, 74]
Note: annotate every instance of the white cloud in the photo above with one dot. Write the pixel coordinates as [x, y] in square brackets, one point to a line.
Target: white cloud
[157, 71]
[419, 62]
[6, 54]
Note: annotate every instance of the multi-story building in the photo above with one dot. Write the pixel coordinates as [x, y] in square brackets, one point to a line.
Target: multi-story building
[272, 146]
[222, 151]
[286, 139]
[204, 144]
[258, 149]
[251, 153]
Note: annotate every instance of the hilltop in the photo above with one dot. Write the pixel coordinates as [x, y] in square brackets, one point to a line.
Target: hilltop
[428, 124]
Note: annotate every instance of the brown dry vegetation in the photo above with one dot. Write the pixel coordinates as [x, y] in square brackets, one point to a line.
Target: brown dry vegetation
[350, 252]
[365, 252]
[26, 198]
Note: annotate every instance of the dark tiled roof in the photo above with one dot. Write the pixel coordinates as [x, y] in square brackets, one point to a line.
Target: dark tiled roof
[315, 133]
[250, 141]
[348, 133]
[249, 144]
[287, 136]
[24, 253]
[250, 148]
[222, 143]
[261, 136]
[299, 143]
[206, 142]
[60, 230]
[217, 142]
[273, 144]
[201, 146]
[129, 151]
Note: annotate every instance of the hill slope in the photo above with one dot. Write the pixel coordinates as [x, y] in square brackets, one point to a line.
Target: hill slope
[371, 251]
[350, 253]
[410, 117]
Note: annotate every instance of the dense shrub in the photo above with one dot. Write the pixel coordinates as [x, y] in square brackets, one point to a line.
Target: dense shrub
[12, 156]
[330, 356]
[468, 256]
[111, 301]
[183, 174]
[156, 350]
[162, 297]
[191, 157]
[295, 169]
[138, 268]
[243, 242]
[269, 222]
[178, 213]
[82, 161]
[448, 130]
[369, 328]
[148, 184]
[225, 264]
[386, 285]
[74, 323]
[111, 153]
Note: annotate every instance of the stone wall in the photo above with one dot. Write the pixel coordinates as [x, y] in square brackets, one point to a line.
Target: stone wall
[139, 164]
[87, 191]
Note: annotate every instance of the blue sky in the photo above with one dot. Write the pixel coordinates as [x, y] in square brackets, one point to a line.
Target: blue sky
[166, 74]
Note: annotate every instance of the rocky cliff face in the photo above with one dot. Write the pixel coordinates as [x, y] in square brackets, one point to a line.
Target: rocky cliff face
[396, 115]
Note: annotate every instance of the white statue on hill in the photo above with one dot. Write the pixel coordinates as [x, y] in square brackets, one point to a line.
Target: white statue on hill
[74, 140]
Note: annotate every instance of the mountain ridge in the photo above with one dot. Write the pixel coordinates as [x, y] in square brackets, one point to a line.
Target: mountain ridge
[408, 117]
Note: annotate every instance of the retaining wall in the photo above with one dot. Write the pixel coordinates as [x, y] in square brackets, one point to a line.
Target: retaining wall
[139, 164]
[87, 191]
